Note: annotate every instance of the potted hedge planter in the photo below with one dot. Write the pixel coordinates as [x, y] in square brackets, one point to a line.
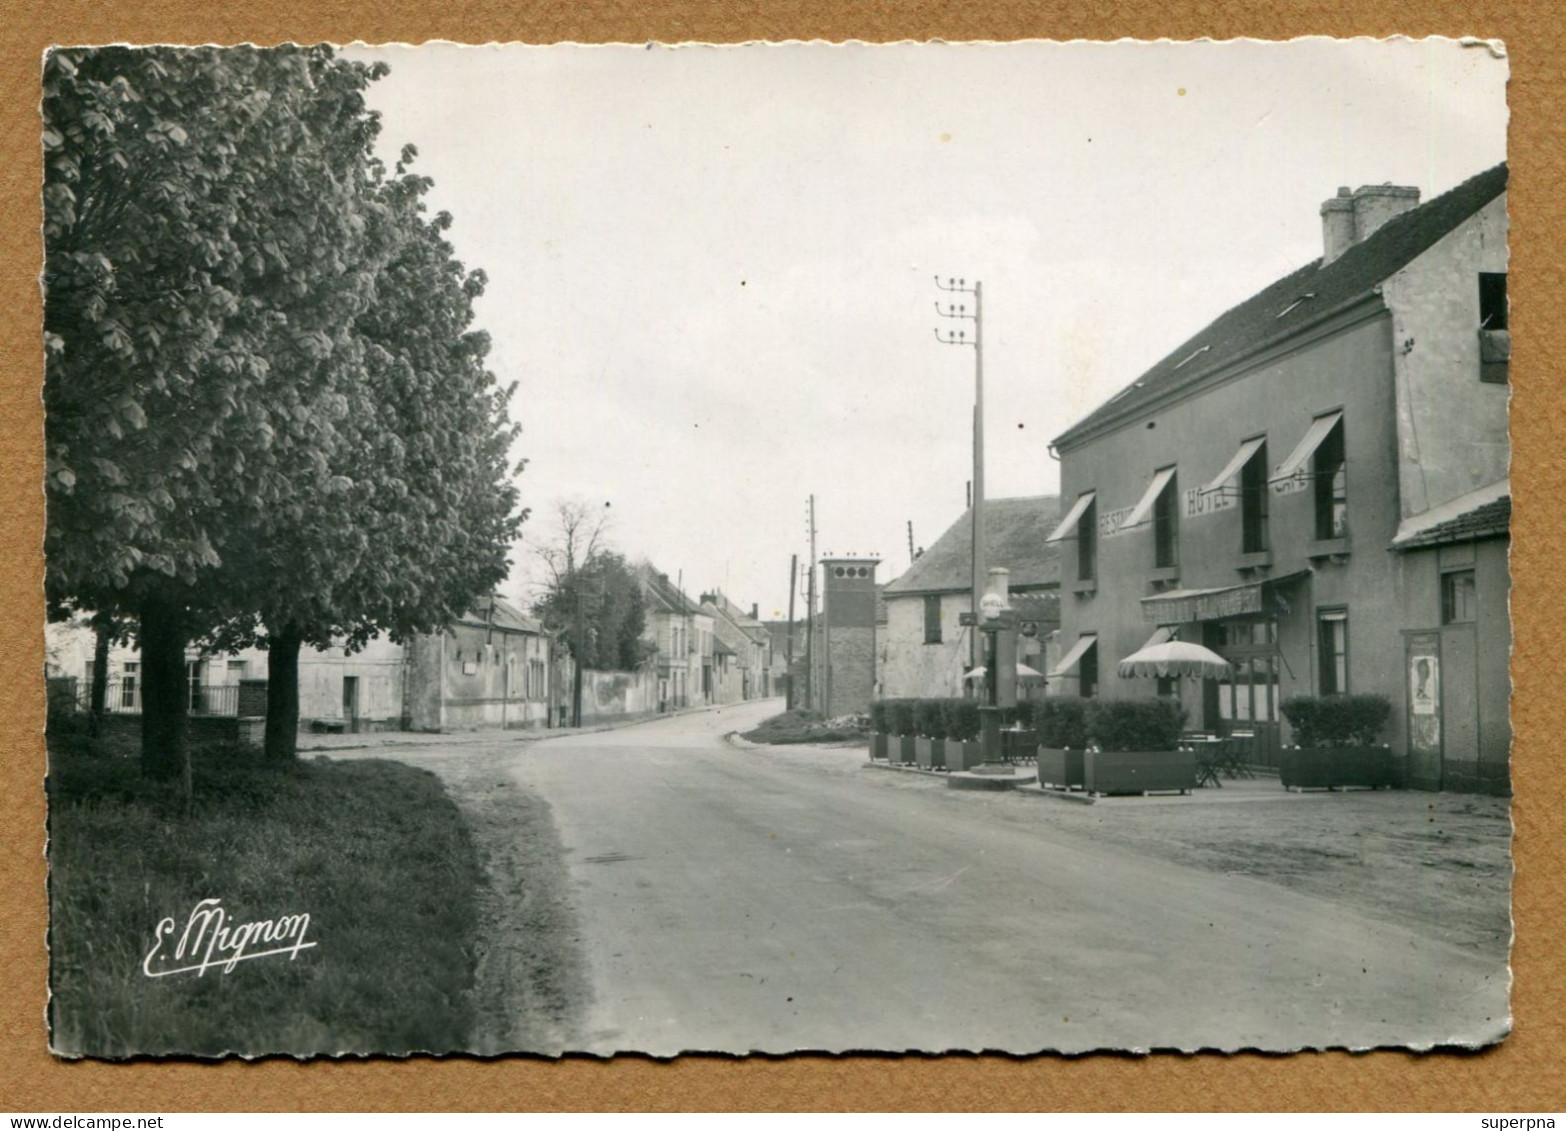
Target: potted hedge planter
[964, 750]
[1135, 748]
[900, 718]
[1338, 743]
[1061, 724]
[879, 733]
[930, 725]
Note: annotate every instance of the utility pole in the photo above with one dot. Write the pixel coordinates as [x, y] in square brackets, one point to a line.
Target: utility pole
[788, 650]
[810, 612]
[910, 542]
[958, 311]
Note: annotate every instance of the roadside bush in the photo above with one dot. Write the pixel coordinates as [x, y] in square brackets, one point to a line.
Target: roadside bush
[1061, 722]
[1337, 720]
[878, 721]
[962, 719]
[1135, 724]
[930, 718]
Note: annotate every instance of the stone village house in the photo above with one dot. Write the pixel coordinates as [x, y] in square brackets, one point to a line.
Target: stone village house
[1315, 486]
[492, 667]
[925, 652]
[749, 641]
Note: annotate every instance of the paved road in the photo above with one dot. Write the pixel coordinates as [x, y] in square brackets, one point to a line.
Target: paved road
[764, 900]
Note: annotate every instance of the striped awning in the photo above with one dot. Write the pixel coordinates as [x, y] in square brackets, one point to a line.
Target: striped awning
[1068, 525]
[1232, 468]
[1314, 435]
[1144, 505]
[1073, 657]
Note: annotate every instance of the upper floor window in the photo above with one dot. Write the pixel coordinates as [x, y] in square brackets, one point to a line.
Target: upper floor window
[932, 618]
[1329, 476]
[1087, 543]
[1254, 491]
[1166, 525]
[1457, 597]
[1495, 341]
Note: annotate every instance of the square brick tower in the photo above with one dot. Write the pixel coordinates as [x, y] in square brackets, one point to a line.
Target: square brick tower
[845, 669]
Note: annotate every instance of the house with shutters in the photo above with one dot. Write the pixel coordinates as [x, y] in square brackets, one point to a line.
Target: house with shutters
[688, 661]
[925, 651]
[1315, 486]
[748, 640]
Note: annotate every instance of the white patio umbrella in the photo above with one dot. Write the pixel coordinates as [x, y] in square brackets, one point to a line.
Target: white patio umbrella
[1023, 672]
[1175, 658]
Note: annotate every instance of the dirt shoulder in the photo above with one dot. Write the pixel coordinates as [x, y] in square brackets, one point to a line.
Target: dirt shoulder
[531, 984]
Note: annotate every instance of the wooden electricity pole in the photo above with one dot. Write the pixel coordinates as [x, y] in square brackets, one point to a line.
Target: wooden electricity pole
[788, 651]
[959, 311]
[810, 616]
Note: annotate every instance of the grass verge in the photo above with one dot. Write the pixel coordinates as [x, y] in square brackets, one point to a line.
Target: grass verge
[374, 852]
[799, 726]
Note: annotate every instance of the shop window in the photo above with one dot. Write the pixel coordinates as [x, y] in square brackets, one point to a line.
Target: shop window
[1166, 526]
[1087, 543]
[1253, 502]
[1332, 651]
[932, 619]
[1495, 340]
[1457, 597]
[1330, 477]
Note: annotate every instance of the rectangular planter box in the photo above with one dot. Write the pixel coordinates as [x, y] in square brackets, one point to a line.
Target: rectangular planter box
[902, 749]
[1329, 767]
[1061, 769]
[930, 753]
[878, 744]
[963, 755]
[1137, 771]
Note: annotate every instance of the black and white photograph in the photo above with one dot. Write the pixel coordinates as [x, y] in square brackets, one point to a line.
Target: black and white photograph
[777, 548]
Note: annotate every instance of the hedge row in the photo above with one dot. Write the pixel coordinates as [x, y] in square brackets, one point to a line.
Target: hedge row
[1337, 720]
[1060, 722]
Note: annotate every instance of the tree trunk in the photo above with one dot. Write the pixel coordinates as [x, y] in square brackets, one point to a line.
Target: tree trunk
[282, 694]
[164, 692]
[100, 671]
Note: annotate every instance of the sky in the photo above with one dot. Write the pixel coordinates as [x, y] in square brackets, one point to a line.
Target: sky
[712, 269]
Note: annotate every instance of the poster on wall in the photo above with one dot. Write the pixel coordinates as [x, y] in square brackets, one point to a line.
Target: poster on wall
[1424, 695]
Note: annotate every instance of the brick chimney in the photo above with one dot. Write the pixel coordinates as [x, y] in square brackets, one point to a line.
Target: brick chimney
[1349, 217]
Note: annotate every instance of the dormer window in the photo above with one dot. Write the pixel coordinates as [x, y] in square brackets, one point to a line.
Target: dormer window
[1495, 340]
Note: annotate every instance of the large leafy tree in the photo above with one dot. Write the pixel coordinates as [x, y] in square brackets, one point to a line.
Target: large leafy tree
[419, 510]
[220, 238]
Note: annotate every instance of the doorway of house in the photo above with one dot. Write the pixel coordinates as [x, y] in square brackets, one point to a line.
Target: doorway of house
[350, 703]
[1246, 702]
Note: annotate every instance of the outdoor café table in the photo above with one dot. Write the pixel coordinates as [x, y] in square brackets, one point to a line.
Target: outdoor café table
[1209, 757]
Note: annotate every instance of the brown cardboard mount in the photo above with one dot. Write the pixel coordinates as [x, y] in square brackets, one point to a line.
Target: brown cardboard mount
[1520, 1075]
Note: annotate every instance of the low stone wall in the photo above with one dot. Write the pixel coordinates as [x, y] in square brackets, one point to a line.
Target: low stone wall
[618, 696]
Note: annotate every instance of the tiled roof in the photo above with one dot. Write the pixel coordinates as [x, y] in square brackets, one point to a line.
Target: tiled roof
[665, 594]
[497, 612]
[1305, 294]
[778, 630]
[1485, 513]
[1014, 533]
